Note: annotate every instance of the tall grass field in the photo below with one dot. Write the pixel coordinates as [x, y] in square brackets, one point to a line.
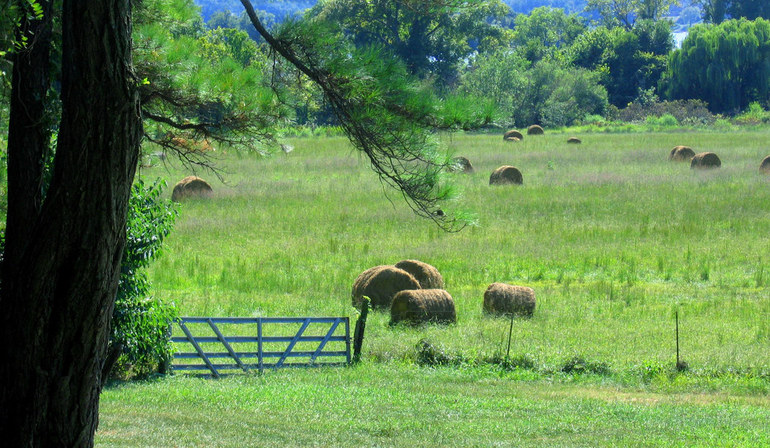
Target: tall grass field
[614, 239]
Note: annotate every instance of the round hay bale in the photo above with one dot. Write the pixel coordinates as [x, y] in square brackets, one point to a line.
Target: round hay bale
[423, 305]
[501, 298]
[191, 187]
[681, 154]
[427, 275]
[383, 284]
[574, 141]
[360, 283]
[705, 160]
[461, 164]
[764, 167]
[506, 175]
[535, 130]
[513, 134]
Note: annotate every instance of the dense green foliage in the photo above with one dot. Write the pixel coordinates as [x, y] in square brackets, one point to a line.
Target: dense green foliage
[545, 92]
[201, 85]
[459, 48]
[725, 65]
[140, 320]
[626, 12]
[545, 31]
[716, 11]
[280, 9]
[432, 40]
[630, 60]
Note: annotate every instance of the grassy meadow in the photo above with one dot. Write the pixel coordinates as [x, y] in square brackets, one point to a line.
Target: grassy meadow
[613, 238]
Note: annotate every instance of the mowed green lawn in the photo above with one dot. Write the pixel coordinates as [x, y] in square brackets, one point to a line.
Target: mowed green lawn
[396, 405]
[613, 238]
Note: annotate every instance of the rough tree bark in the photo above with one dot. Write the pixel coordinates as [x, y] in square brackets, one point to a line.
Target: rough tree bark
[61, 264]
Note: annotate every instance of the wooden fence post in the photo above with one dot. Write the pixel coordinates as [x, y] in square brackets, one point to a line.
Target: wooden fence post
[358, 334]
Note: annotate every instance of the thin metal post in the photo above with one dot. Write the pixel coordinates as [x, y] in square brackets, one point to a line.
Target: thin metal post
[678, 362]
[510, 332]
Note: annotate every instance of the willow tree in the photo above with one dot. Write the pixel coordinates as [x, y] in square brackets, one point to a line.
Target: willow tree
[64, 243]
[725, 65]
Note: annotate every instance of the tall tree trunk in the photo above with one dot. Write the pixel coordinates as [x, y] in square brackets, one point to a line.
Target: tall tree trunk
[29, 129]
[59, 284]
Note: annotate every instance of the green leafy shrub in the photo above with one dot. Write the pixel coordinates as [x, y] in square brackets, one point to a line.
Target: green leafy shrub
[140, 321]
[523, 362]
[665, 120]
[578, 364]
[429, 354]
[690, 112]
[754, 115]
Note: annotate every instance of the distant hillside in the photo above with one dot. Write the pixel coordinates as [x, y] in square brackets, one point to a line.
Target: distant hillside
[278, 8]
[525, 6]
[283, 8]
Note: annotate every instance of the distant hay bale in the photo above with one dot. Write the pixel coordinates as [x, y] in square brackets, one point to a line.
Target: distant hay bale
[705, 160]
[765, 165]
[191, 187]
[506, 175]
[425, 274]
[461, 164]
[188, 145]
[681, 154]
[535, 130]
[513, 134]
[574, 141]
[501, 298]
[383, 284]
[422, 306]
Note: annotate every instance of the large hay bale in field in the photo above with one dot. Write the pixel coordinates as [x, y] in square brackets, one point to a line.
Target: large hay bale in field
[427, 275]
[360, 283]
[513, 135]
[423, 305]
[535, 130]
[383, 284]
[461, 163]
[191, 187]
[764, 167]
[506, 174]
[502, 298]
[195, 146]
[681, 154]
[705, 160]
[574, 141]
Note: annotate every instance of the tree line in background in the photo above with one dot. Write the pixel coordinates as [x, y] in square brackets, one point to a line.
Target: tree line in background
[547, 67]
[552, 67]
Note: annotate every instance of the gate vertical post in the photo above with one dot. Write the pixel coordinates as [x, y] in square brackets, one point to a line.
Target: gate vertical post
[259, 344]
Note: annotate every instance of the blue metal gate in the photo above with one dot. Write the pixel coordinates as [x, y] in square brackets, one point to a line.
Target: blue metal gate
[260, 343]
